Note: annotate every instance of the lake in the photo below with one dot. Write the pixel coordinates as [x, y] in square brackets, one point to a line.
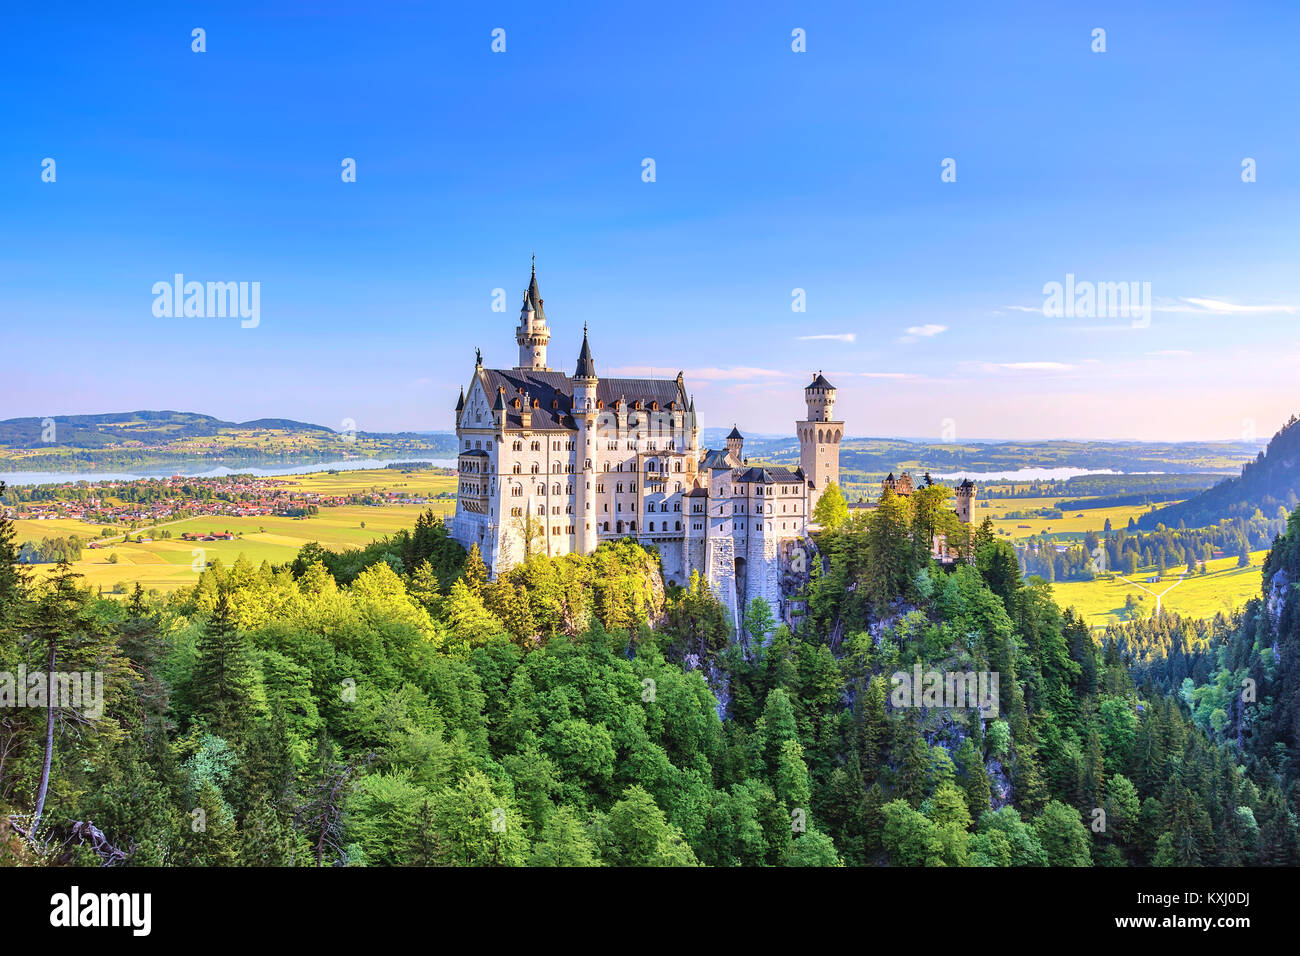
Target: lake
[197, 470]
[1035, 474]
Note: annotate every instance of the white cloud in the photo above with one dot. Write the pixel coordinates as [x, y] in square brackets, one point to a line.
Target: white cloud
[918, 332]
[1170, 352]
[1034, 366]
[1225, 307]
[736, 373]
[849, 337]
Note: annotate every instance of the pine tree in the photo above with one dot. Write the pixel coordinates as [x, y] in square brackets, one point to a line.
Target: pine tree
[223, 674]
[264, 839]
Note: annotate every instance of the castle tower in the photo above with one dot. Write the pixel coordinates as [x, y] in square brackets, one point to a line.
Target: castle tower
[584, 416]
[532, 334]
[819, 438]
[736, 446]
[965, 505]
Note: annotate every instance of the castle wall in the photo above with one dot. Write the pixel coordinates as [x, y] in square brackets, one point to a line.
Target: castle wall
[763, 572]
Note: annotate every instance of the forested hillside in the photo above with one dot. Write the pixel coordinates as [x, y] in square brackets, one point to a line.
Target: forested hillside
[392, 706]
[1238, 678]
[1270, 482]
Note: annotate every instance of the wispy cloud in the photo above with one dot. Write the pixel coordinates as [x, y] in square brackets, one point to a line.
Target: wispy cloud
[734, 374]
[1162, 353]
[1033, 366]
[1198, 306]
[830, 337]
[1179, 305]
[917, 332]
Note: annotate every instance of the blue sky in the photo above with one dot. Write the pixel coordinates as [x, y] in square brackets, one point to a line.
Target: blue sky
[775, 170]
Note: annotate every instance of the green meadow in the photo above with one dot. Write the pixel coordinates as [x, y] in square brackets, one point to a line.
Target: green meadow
[169, 563]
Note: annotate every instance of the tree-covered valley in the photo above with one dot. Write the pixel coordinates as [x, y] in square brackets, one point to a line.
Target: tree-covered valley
[392, 706]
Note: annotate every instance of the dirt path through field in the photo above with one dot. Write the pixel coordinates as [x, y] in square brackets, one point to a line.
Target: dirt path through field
[1159, 597]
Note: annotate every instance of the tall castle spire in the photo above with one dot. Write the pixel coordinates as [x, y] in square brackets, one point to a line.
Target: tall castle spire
[532, 333]
[586, 365]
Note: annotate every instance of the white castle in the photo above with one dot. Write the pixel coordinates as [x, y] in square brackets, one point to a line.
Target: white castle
[557, 464]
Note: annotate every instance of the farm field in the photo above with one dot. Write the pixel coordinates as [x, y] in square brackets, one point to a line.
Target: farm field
[417, 482]
[167, 563]
[1225, 588]
[1069, 526]
[30, 530]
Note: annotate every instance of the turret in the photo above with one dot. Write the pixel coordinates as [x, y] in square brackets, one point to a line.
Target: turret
[735, 445]
[584, 416]
[819, 438]
[532, 333]
[965, 504]
[820, 399]
[499, 408]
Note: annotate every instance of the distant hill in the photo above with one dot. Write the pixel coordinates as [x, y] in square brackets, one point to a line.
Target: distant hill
[141, 439]
[146, 427]
[1270, 482]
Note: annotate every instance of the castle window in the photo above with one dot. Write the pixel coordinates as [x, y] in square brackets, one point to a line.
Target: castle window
[652, 525]
[517, 446]
[679, 526]
[536, 468]
[600, 403]
[516, 468]
[633, 525]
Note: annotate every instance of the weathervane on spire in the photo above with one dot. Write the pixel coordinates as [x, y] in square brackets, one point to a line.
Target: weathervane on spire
[478, 357]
